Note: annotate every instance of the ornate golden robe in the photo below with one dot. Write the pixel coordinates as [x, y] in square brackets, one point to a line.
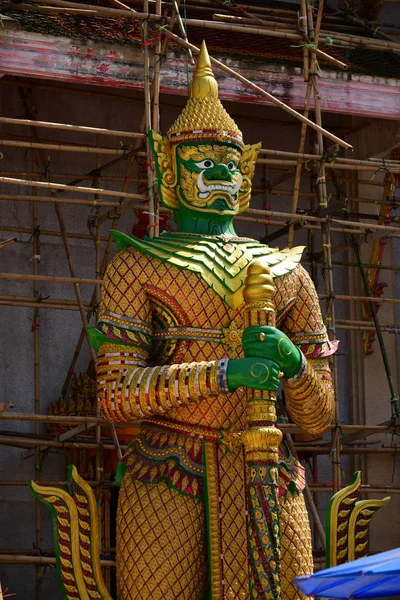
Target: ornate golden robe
[171, 313]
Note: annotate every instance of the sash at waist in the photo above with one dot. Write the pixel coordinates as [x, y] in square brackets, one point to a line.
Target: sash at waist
[175, 452]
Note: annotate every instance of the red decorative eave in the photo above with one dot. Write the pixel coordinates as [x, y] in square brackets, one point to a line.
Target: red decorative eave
[74, 60]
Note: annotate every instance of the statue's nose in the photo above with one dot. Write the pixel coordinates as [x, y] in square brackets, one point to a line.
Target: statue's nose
[219, 172]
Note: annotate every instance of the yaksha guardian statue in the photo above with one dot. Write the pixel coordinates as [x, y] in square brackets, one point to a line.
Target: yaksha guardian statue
[174, 352]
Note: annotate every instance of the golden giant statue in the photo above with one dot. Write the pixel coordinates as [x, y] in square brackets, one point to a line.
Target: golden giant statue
[184, 349]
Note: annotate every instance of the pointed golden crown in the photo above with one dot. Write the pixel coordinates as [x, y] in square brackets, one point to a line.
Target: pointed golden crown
[204, 118]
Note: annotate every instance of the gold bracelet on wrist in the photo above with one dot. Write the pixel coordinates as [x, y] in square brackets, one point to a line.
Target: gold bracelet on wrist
[182, 388]
[194, 391]
[214, 378]
[133, 382]
[162, 389]
[203, 367]
[172, 392]
[152, 395]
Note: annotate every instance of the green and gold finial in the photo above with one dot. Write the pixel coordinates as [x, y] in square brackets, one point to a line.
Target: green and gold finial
[203, 84]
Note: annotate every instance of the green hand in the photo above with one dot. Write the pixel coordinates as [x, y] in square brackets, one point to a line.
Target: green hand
[272, 344]
[255, 373]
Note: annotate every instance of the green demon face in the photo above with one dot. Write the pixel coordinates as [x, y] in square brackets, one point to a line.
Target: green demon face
[209, 177]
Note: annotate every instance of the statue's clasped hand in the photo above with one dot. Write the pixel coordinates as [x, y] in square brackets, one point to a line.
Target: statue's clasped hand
[253, 372]
[269, 355]
[272, 344]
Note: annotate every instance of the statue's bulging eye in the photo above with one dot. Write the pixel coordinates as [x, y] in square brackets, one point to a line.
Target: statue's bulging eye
[205, 164]
[231, 165]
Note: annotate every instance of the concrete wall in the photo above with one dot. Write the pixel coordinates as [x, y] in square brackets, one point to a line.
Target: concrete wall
[59, 330]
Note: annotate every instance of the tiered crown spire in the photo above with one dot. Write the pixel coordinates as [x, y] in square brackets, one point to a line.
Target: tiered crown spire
[204, 118]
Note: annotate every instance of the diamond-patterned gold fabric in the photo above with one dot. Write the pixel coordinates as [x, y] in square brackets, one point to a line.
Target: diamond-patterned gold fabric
[233, 524]
[297, 556]
[161, 537]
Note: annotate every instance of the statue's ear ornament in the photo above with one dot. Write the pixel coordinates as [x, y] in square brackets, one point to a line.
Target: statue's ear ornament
[247, 165]
[165, 164]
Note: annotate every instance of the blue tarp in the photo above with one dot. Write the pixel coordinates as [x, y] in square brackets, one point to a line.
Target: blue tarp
[375, 576]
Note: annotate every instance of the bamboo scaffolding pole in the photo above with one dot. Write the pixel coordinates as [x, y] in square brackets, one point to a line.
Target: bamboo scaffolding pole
[365, 265]
[311, 449]
[46, 560]
[157, 71]
[333, 165]
[312, 219]
[147, 112]
[55, 419]
[87, 420]
[364, 489]
[4, 243]
[64, 147]
[70, 127]
[182, 29]
[32, 443]
[266, 220]
[349, 451]
[359, 322]
[286, 192]
[240, 10]
[24, 483]
[49, 301]
[394, 329]
[154, 93]
[369, 165]
[17, 559]
[70, 188]
[50, 199]
[303, 27]
[48, 232]
[104, 203]
[371, 162]
[386, 230]
[256, 88]
[97, 296]
[36, 370]
[114, 178]
[375, 300]
[48, 278]
[122, 5]
[346, 226]
[303, 130]
[10, 301]
[42, 305]
[4, 301]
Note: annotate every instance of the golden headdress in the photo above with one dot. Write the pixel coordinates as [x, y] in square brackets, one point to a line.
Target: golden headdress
[204, 118]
